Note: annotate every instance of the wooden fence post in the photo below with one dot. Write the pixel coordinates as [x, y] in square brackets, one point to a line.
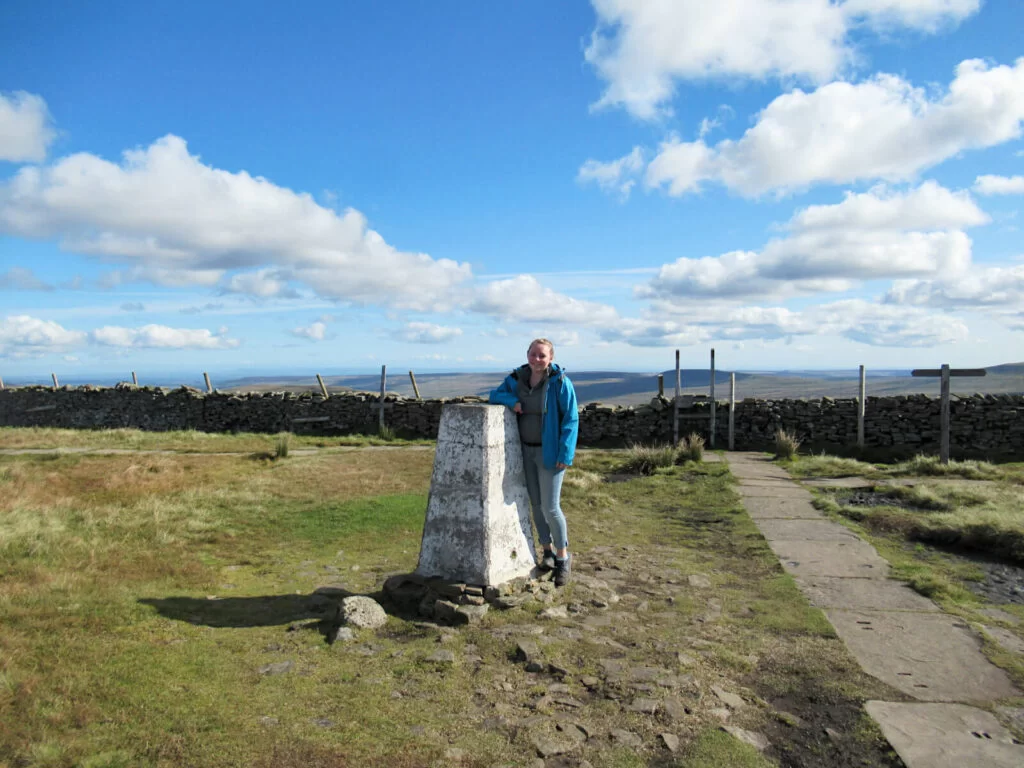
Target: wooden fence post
[415, 389]
[135, 379]
[675, 408]
[661, 385]
[713, 403]
[383, 382]
[209, 386]
[944, 414]
[860, 409]
[323, 387]
[55, 384]
[732, 411]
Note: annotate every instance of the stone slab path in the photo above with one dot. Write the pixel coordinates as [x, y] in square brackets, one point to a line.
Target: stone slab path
[895, 634]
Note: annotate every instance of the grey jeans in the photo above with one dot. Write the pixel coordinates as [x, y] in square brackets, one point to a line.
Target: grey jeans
[545, 488]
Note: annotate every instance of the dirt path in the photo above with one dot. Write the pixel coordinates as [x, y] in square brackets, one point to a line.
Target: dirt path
[895, 634]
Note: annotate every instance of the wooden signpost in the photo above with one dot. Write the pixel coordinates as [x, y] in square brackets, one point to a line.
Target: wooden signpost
[944, 373]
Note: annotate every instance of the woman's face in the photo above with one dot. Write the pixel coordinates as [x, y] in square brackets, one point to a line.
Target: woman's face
[539, 357]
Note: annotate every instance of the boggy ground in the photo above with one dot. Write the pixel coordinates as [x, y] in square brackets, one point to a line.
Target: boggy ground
[172, 610]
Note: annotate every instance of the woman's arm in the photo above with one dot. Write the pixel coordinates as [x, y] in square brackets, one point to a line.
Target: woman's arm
[505, 394]
[569, 421]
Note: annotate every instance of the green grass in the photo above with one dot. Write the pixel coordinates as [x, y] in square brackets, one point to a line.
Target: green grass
[190, 441]
[715, 748]
[142, 595]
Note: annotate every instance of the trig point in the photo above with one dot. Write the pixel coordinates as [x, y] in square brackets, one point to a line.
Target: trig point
[478, 514]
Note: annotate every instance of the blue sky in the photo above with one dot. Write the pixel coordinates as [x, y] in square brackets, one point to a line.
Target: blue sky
[247, 187]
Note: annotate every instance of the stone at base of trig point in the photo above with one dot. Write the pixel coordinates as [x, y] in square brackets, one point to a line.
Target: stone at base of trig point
[478, 514]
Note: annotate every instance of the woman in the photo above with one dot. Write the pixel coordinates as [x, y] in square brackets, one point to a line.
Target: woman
[545, 401]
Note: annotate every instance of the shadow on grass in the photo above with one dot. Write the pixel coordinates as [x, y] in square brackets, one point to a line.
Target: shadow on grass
[256, 611]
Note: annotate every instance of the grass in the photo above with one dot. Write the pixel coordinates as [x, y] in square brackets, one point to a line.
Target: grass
[691, 448]
[145, 596]
[184, 441]
[787, 445]
[646, 459]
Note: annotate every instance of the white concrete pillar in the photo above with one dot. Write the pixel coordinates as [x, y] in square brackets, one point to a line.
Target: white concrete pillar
[478, 514]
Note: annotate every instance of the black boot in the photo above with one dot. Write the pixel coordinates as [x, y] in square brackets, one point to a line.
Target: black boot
[547, 562]
[563, 570]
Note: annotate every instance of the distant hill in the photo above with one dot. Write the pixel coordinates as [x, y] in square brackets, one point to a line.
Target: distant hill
[625, 388]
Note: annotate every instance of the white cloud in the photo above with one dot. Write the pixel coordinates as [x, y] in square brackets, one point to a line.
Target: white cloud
[162, 337]
[617, 175]
[427, 333]
[844, 132]
[877, 234]
[485, 358]
[999, 185]
[524, 298]
[22, 279]
[641, 48]
[854, 319]
[926, 15]
[988, 287]
[169, 216]
[26, 129]
[315, 331]
[262, 284]
[22, 335]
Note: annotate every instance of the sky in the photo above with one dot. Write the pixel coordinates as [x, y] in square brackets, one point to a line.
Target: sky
[260, 188]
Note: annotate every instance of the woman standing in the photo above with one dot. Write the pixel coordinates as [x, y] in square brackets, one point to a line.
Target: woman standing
[545, 401]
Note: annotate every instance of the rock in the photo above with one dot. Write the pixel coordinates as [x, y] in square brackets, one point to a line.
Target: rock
[527, 651]
[644, 706]
[471, 614]
[442, 656]
[721, 714]
[340, 635]
[730, 700]
[445, 610]
[670, 740]
[506, 602]
[757, 740]
[685, 660]
[363, 612]
[674, 709]
[555, 612]
[548, 746]
[625, 738]
[277, 668]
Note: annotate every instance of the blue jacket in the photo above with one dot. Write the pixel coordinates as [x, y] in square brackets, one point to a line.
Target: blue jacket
[560, 420]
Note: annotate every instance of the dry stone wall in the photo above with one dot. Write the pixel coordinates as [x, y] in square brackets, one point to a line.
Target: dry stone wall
[982, 425]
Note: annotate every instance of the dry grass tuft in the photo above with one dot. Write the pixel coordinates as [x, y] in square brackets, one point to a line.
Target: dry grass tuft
[691, 448]
[787, 445]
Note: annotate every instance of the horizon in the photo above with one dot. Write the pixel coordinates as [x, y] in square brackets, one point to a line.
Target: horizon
[242, 187]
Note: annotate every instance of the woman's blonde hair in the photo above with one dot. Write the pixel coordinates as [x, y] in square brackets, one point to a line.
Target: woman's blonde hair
[542, 341]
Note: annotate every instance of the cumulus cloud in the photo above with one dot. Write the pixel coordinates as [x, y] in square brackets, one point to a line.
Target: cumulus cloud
[162, 337]
[427, 333]
[999, 185]
[21, 279]
[981, 287]
[854, 319]
[26, 129]
[617, 175]
[524, 298]
[26, 336]
[641, 48]
[316, 331]
[171, 218]
[844, 132]
[877, 234]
